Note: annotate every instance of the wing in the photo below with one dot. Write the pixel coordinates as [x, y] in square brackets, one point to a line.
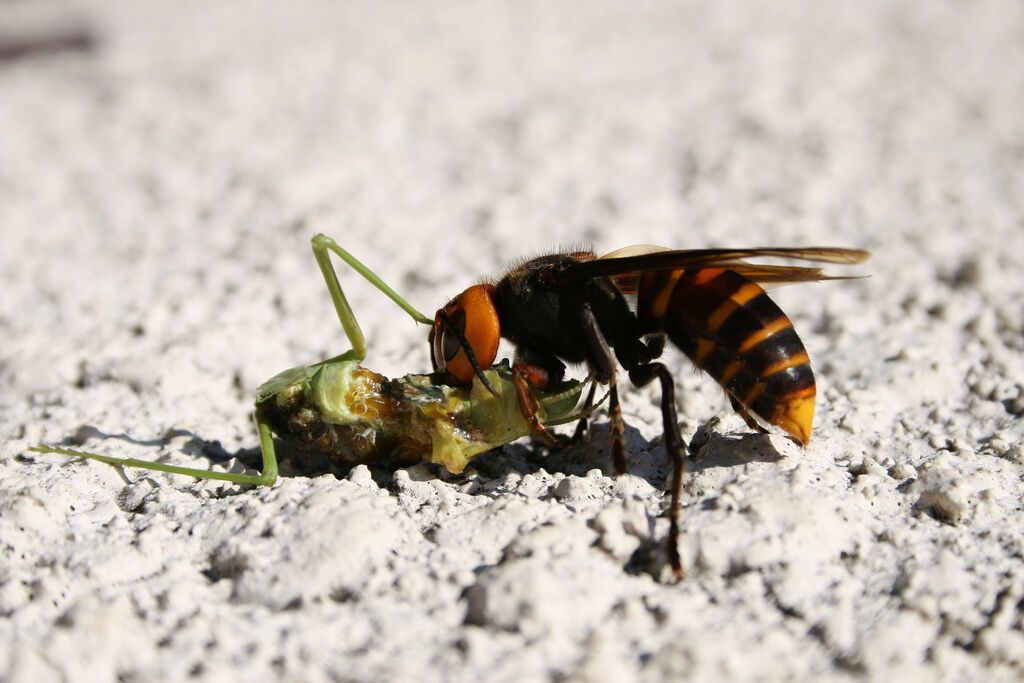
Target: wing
[625, 265]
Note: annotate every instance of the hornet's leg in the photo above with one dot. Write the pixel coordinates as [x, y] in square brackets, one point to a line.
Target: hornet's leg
[605, 360]
[588, 404]
[529, 408]
[265, 478]
[321, 246]
[652, 346]
[745, 414]
[541, 370]
[674, 449]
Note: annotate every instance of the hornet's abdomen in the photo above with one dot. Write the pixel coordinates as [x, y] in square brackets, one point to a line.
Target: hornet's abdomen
[728, 327]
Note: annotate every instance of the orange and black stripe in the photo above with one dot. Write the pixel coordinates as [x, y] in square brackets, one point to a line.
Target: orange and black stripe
[729, 327]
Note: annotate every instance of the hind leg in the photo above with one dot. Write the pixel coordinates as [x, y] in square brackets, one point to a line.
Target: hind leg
[674, 449]
[266, 477]
[745, 414]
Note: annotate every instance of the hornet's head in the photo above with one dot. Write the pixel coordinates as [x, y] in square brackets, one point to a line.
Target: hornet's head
[464, 338]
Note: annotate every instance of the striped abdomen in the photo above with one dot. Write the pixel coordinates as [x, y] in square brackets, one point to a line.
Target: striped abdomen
[729, 328]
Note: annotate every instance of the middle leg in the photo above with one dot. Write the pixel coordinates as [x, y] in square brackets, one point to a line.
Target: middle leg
[604, 359]
[674, 448]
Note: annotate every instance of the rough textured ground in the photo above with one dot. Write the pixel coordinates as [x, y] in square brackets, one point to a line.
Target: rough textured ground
[159, 183]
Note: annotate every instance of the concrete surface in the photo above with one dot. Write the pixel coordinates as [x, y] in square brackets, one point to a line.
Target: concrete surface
[162, 173]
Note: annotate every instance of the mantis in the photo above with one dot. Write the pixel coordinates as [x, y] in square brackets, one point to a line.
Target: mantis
[354, 415]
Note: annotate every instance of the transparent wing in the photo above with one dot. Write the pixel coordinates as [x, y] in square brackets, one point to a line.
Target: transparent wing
[625, 265]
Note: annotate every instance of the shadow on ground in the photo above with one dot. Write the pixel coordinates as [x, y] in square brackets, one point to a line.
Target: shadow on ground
[646, 458]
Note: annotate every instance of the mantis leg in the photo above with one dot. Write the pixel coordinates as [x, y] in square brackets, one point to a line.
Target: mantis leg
[321, 246]
[265, 478]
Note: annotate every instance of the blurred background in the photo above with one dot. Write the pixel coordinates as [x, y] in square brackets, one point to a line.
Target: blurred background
[144, 144]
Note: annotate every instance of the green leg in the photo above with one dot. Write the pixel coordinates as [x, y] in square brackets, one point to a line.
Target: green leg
[321, 246]
[266, 478]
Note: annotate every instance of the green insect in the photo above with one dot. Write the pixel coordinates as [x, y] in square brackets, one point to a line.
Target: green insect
[354, 415]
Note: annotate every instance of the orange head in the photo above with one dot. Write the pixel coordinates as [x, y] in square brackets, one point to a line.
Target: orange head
[464, 338]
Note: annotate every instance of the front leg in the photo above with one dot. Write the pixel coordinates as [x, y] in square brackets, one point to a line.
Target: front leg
[532, 368]
[323, 244]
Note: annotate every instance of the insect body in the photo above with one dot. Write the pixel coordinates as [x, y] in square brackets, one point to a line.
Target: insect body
[573, 307]
[355, 415]
[352, 414]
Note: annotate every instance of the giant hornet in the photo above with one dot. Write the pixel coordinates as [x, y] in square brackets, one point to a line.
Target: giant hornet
[572, 308]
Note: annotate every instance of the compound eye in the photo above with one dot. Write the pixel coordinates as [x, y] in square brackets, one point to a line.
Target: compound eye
[470, 319]
[450, 345]
[436, 340]
[444, 338]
